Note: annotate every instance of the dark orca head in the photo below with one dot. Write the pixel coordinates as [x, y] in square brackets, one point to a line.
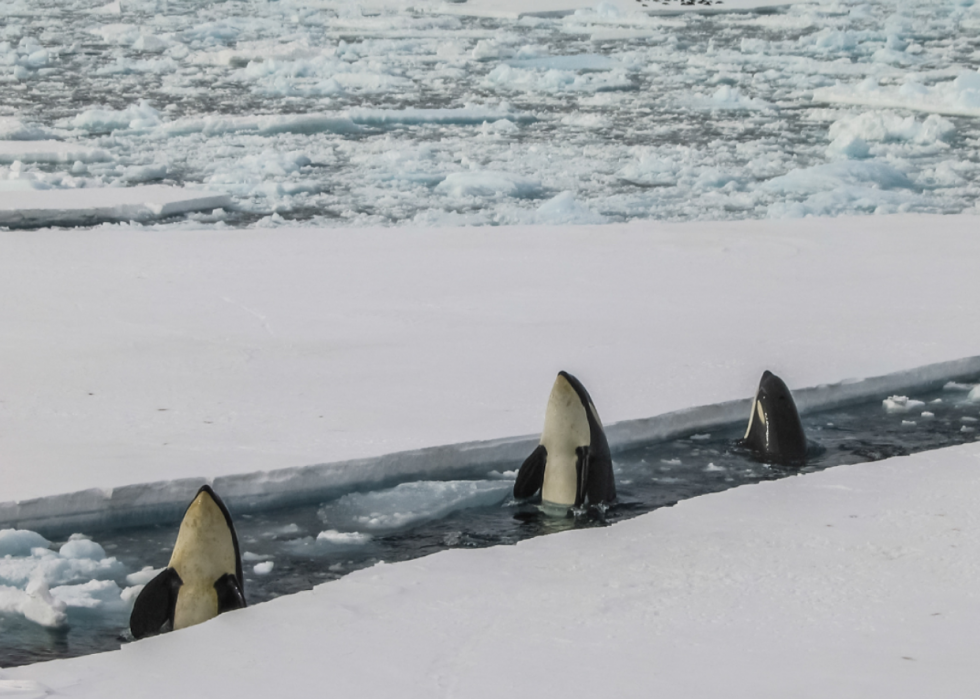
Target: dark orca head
[775, 432]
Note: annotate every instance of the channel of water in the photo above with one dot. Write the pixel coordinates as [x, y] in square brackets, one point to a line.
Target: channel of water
[292, 549]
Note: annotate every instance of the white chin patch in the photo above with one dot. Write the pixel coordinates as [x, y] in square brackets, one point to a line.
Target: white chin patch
[748, 428]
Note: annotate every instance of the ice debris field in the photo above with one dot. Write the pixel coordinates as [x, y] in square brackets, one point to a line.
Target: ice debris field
[337, 113]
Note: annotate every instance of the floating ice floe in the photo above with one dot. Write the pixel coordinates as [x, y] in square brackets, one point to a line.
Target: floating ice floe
[113, 8]
[47, 587]
[607, 9]
[959, 97]
[468, 114]
[407, 504]
[830, 176]
[105, 120]
[956, 386]
[901, 404]
[484, 183]
[553, 80]
[332, 536]
[352, 121]
[887, 133]
[728, 97]
[565, 209]
[14, 129]
[49, 152]
[870, 185]
[26, 206]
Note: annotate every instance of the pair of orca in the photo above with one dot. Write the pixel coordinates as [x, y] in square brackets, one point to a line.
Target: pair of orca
[572, 465]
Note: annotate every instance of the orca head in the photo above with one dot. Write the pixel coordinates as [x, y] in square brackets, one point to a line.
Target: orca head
[774, 431]
[206, 550]
[583, 395]
[567, 430]
[203, 578]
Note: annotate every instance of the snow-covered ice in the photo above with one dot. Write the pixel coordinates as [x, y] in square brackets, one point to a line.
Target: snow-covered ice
[857, 581]
[171, 355]
[33, 204]
[134, 354]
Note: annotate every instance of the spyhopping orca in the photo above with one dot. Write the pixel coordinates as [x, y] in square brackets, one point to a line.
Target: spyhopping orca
[572, 463]
[775, 432]
[204, 577]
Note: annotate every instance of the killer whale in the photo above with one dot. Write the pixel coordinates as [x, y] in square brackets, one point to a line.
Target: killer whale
[571, 465]
[204, 576]
[775, 433]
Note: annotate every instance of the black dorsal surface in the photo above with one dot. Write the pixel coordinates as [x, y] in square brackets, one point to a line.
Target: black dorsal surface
[775, 433]
[600, 484]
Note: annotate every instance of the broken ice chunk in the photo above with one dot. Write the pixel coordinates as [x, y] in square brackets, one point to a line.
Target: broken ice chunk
[900, 404]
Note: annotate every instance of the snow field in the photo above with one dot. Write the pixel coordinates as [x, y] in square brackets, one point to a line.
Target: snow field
[330, 113]
[849, 582]
[264, 351]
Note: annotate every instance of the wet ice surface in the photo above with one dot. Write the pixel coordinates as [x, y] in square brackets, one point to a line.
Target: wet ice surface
[313, 112]
[62, 599]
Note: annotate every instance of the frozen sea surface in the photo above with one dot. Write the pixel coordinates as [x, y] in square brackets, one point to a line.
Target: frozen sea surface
[333, 113]
[63, 599]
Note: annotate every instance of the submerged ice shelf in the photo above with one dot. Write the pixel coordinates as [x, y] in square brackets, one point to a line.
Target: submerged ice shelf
[357, 114]
[72, 597]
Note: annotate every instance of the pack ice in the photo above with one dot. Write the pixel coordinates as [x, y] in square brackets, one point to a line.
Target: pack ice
[52, 586]
[497, 112]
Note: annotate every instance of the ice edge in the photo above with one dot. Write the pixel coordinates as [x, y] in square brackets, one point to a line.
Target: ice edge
[164, 501]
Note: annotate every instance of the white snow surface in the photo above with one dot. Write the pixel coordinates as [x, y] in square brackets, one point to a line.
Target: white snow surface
[134, 356]
[858, 581]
